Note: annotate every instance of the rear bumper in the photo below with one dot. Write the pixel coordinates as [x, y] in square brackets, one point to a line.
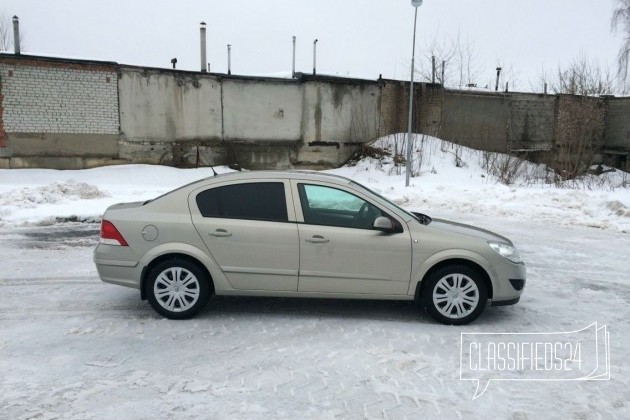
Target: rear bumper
[120, 274]
[115, 265]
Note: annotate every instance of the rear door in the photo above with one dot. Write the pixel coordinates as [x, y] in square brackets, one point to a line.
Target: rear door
[339, 252]
[250, 231]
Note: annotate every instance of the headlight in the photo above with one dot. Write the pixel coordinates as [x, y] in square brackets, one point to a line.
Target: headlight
[506, 251]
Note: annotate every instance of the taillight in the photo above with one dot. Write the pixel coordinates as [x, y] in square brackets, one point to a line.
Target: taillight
[110, 235]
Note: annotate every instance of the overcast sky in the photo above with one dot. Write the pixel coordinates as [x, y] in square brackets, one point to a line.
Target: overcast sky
[356, 38]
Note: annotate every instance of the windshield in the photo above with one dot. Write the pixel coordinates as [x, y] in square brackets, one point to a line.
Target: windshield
[411, 215]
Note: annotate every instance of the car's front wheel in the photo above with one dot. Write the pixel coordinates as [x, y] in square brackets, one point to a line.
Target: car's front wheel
[455, 295]
[177, 288]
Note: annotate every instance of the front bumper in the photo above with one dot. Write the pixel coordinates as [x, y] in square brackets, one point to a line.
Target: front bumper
[509, 283]
[506, 302]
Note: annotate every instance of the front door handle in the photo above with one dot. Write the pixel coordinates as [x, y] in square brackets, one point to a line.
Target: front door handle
[317, 239]
[220, 233]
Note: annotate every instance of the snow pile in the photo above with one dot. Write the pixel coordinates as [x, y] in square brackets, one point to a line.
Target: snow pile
[459, 183]
[53, 193]
[450, 181]
[619, 208]
[46, 196]
[434, 156]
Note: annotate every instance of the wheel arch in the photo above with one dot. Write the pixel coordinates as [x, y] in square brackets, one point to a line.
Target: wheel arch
[171, 256]
[454, 261]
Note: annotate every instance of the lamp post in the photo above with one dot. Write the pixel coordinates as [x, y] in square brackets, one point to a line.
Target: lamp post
[415, 4]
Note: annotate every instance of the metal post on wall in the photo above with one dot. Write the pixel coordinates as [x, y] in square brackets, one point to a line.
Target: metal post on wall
[293, 61]
[496, 87]
[315, 57]
[202, 45]
[229, 49]
[16, 35]
[415, 4]
[433, 69]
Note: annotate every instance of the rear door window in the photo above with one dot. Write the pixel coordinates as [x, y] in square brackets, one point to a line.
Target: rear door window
[251, 201]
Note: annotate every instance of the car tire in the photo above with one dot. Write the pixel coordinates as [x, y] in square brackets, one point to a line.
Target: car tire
[177, 288]
[455, 295]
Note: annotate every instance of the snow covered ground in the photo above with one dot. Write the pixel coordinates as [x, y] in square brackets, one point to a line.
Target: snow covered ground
[74, 347]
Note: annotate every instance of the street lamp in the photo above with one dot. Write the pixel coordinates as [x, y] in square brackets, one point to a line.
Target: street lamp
[415, 4]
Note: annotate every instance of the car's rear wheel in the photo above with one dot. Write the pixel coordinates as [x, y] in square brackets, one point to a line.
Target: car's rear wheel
[455, 295]
[177, 288]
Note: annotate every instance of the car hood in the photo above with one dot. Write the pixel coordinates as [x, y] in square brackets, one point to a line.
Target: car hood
[462, 229]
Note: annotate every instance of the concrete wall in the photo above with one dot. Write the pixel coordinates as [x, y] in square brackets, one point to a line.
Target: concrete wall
[475, 120]
[262, 122]
[531, 121]
[169, 106]
[164, 114]
[266, 111]
[618, 124]
[337, 117]
[177, 117]
[616, 150]
[76, 113]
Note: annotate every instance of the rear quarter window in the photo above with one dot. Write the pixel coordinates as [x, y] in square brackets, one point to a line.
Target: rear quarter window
[251, 201]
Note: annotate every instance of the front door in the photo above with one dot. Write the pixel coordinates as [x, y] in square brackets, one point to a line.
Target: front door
[341, 253]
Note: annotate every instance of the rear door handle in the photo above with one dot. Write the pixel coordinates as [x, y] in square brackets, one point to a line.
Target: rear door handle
[220, 233]
[317, 239]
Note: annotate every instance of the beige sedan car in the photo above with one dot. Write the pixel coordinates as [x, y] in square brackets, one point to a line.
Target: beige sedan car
[301, 234]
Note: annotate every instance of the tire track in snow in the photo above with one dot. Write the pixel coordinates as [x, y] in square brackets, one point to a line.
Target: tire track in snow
[39, 281]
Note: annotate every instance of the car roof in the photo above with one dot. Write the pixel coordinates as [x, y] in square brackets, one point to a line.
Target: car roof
[287, 174]
[253, 175]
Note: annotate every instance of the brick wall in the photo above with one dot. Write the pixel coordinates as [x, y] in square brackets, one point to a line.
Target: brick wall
[428, 100]
[3, 134]
[393, 107]
[46, 97]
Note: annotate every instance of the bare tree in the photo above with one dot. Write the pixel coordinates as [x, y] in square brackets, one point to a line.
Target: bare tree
[468, 72]
[621, 20]
[583, 77]
[541, 84]
[444, 52]
[458, 58]
[6, 33]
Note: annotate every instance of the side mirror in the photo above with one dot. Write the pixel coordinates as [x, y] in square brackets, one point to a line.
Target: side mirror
[383, 224]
